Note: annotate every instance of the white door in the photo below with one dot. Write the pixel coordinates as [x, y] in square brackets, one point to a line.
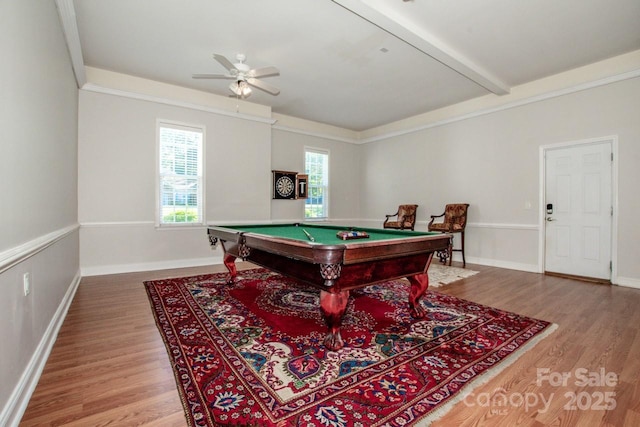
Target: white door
[578, 210]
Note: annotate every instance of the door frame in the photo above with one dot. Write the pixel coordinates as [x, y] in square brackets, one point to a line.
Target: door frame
[542, 224]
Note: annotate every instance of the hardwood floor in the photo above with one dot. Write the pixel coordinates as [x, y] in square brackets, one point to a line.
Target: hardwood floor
[109, 365]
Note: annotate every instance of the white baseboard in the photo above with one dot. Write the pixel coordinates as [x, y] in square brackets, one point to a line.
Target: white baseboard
[217, 259]
[628, 282]
[100, 270]
[19, 399]
[532, 268]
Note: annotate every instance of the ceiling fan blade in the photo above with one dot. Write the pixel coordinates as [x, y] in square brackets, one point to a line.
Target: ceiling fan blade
[264, 72]
[212, 76]
[225, 63]
[263, 86]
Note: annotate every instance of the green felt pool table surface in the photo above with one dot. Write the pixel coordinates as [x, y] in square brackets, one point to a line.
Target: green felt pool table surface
[325, 234]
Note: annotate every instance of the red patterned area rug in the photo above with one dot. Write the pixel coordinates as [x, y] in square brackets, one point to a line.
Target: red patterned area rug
[251, 353]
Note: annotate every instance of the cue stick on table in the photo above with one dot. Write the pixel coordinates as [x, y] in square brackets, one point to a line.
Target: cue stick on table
[309, 236]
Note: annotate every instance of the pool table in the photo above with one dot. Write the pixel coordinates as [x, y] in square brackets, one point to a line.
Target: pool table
[315, 255]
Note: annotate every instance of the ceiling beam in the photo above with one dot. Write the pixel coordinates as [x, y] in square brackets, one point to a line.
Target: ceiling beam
[390, 21]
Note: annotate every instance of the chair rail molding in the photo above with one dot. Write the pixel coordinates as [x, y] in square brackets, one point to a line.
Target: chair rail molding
[18, 254]
[504, 226]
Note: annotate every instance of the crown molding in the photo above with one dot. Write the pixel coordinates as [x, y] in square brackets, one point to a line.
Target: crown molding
[323, 135]
[67, 14]
[508, 105]
[91, 87]
[456, 118]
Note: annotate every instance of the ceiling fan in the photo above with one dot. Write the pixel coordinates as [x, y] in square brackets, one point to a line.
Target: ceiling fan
[243, 76]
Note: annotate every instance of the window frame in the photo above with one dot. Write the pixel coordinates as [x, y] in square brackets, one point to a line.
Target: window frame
[172, 124]
[325, 196]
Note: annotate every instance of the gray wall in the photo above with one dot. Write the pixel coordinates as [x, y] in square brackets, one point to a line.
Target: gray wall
[117, 183]
[38, 172]
[117, 155]
[492, 163]
[344, 174]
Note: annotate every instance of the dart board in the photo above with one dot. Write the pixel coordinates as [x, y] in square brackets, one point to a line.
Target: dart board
[284, 185]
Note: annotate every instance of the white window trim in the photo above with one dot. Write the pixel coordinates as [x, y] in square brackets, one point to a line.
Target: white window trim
[304, 162]
[158, 211]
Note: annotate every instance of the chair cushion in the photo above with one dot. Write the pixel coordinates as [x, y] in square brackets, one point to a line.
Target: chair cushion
[397, 224]
[441, 226]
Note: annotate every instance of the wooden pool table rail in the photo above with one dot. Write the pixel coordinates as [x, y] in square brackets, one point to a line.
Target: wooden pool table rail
[336, 269]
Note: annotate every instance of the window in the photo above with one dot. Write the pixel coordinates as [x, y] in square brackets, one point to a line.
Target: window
[317, 167]
[180, 170]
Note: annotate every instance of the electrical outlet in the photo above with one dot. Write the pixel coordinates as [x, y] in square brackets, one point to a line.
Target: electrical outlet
[26, 281]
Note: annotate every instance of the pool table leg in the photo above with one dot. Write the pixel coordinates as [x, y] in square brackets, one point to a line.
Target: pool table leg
[333, 305]
[230, 262]
[419, 285]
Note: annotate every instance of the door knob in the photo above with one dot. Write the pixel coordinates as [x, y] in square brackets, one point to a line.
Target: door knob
[550, 219]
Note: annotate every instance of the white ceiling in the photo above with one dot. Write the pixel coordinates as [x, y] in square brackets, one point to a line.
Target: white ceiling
[338, 67]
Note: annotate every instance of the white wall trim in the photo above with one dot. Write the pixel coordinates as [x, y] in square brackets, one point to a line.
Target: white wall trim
[504, 226]
[67, 14]
[316, 134]
[481, 112]
[104, 224]
[531, 268]
[19, 399]
[91, 87]
[628, 282]
[100, 270]
[216, 258]
[18, 254]
[491, 225]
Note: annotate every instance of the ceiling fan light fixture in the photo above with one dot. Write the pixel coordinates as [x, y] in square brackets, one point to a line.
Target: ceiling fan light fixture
[240, 88]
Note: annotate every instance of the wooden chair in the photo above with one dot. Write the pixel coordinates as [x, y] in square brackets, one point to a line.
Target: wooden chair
[455, 221]
[405, 218]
